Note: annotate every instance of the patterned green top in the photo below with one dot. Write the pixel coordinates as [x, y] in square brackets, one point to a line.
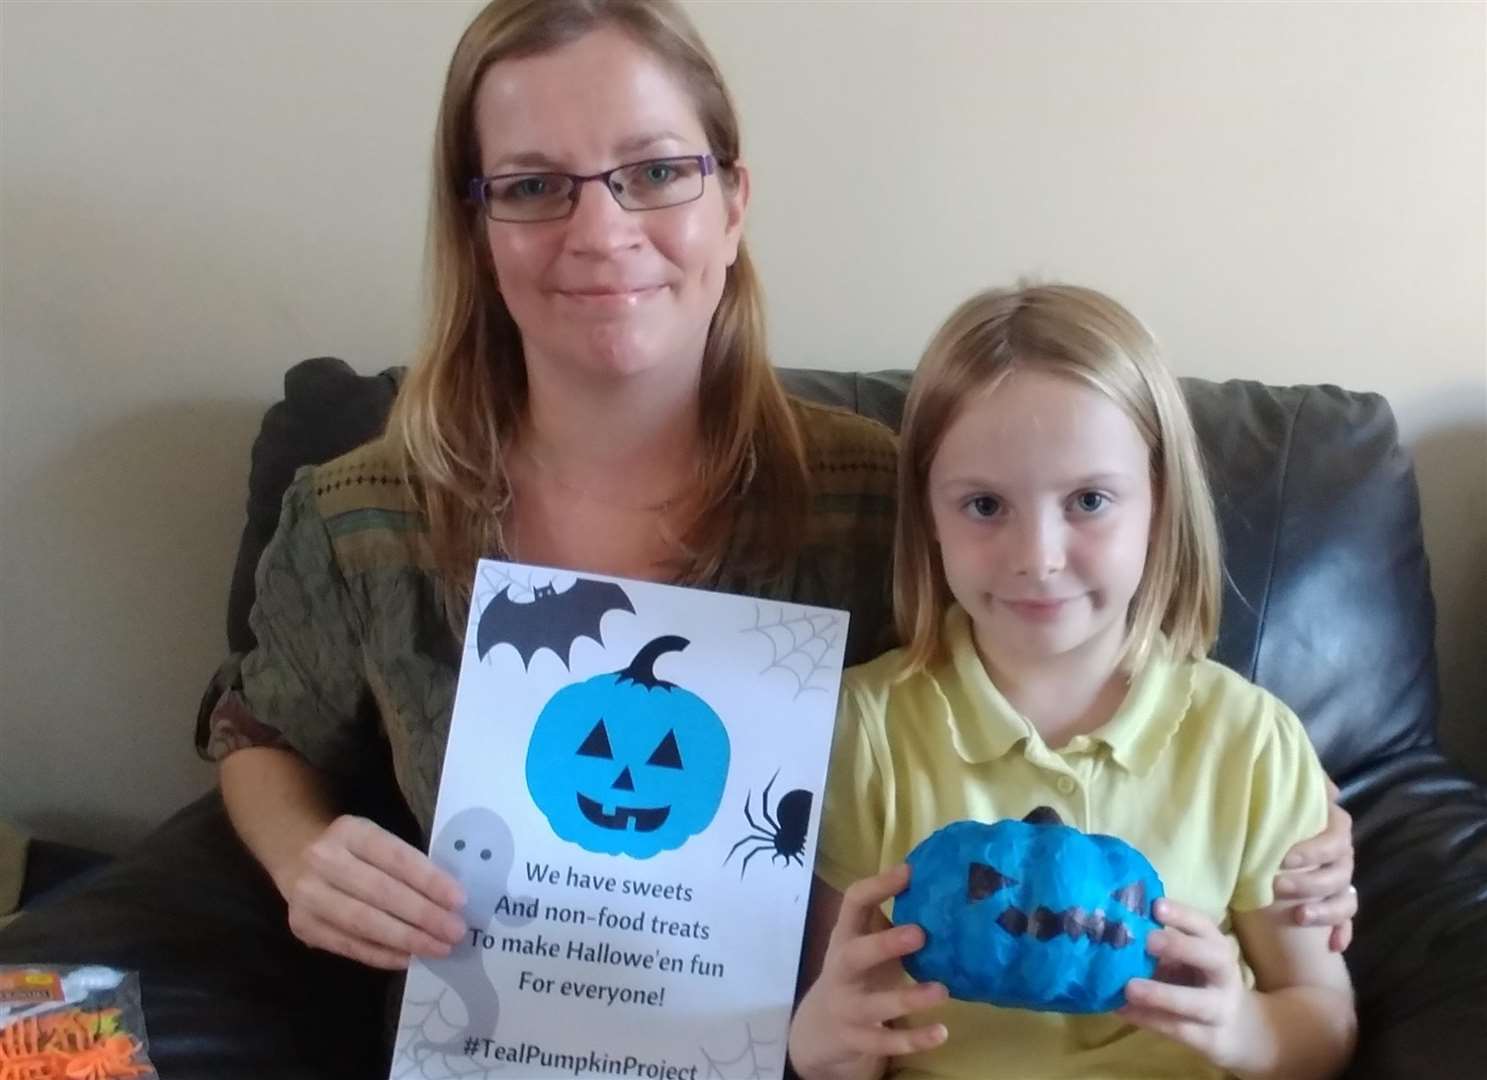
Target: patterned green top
[354, 643]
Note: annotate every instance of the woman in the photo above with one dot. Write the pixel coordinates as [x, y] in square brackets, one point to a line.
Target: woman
[594, 394]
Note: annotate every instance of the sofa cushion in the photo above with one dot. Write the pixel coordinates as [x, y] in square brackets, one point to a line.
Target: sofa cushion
[1327, 601]
[327, 409]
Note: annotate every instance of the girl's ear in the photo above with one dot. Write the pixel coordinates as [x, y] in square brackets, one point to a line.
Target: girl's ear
[927, 516]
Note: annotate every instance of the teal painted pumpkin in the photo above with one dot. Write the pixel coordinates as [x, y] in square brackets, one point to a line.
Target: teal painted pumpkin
[1030, 914]
[626, 763]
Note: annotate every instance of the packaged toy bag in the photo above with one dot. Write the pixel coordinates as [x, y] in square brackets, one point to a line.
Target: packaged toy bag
[72, 1023]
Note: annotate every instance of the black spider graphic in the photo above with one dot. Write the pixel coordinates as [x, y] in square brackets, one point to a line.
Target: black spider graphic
[785, 838]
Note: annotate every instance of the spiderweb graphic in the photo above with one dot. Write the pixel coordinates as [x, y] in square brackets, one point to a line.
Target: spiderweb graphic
[425, 1022]
[760, 1059]
[492, 579]
[489, 582]
[801, 643]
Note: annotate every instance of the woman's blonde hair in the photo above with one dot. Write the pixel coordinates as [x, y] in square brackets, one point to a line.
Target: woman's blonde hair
[1080, 334]
[463, 398]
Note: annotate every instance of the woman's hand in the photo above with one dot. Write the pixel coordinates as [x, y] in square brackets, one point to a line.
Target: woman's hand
[1317, 876]
[1198, 997]
[360, 891]
[841, 1028]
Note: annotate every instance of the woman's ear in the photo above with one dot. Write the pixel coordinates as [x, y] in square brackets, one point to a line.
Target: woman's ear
[736, 205]
[481, 250]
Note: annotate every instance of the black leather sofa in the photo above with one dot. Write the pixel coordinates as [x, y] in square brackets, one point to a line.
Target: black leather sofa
[1328, 606]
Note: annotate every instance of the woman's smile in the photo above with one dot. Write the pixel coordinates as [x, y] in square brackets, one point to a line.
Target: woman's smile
[610, 298]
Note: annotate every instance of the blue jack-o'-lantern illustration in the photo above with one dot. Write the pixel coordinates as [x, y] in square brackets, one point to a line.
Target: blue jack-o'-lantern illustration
[627, 763]
[1030, 915]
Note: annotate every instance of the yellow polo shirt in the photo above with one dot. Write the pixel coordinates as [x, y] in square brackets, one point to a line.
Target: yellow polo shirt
[1209, 776]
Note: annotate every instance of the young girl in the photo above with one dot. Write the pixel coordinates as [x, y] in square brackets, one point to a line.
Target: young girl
[1057, 582]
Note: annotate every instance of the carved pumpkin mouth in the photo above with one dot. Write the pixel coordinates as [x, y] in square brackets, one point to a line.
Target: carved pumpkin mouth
[1045, 924]
[644, 820]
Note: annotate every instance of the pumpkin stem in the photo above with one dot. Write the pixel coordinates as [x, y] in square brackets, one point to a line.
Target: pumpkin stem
[1043, 815]
[642, 669]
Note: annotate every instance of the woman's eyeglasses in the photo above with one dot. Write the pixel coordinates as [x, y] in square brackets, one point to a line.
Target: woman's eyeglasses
[653, 184]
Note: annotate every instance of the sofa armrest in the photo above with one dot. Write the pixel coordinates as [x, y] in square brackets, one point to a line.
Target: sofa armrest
[1419, 962]
[228, 993]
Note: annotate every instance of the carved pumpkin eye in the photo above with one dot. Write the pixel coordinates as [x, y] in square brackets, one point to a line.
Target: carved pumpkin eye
[597, 744]
[984, 880]
[1132, 897]
[668, 755]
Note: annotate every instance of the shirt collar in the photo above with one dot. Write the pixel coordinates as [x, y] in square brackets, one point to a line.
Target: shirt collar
[983, 723]
[985, 726]
[1152, 712]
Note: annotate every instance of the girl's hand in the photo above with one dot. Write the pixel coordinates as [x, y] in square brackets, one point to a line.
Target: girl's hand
[841, 1028]
[362, 892]
[1317, 877]
[1198, 997]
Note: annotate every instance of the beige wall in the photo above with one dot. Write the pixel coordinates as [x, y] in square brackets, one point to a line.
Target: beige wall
[195, 195]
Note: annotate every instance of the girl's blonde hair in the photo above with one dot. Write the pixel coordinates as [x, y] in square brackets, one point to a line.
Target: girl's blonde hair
[464, 396]
[1080, 334]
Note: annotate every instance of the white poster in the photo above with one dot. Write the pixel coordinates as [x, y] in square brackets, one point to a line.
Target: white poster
[630, 799]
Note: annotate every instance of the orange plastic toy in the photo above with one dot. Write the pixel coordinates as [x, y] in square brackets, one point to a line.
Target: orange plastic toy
[69, 1044]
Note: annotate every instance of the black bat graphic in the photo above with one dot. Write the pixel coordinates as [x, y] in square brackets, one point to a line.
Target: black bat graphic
[554, 620]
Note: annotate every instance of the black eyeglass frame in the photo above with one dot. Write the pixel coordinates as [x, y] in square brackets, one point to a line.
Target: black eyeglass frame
[477, 186]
